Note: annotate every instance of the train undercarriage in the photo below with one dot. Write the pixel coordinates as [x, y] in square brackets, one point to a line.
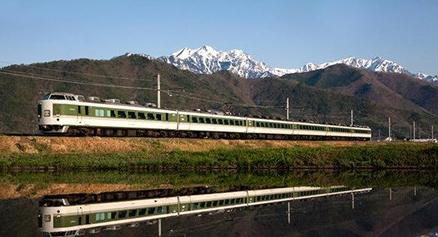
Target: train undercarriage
[122, 132]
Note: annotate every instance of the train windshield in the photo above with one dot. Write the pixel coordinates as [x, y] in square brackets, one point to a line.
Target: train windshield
[57, 97]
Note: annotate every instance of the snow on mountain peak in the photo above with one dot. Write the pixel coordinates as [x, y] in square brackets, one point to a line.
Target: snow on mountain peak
[129, 54]
[207, 60]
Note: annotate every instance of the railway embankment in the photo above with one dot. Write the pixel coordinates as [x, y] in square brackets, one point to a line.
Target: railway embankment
[166, 154]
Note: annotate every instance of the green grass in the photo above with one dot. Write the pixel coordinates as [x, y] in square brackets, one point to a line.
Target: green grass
[420, 156]
[227, 180]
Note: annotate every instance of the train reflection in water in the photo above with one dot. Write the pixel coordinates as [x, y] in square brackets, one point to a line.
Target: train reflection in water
[73, 215]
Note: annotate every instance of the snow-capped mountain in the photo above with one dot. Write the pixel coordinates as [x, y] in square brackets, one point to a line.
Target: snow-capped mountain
[207, 60]
[376, 64]
[139, 54]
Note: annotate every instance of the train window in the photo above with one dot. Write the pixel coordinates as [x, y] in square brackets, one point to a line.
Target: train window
[86, 110]
[122, 214]
[142, 212]
[232, 201]
[159, 117]
[214, 121]
[202, 204]
[231, 122]
[221, 202]
[151, 210]
[131, 115]
[121, 114]
[220, 121]
[57, 97]
[87, 219]
[151, 116]
[161, 210]
[226, 122]
[167, 116]
[207, 120]
[227, 202]
[208, 204]
[141, 115]
[100, 216]
[195, 120]
[132, 213]
[113, 114]
[215, 203]
[79, 109]
[201, 120]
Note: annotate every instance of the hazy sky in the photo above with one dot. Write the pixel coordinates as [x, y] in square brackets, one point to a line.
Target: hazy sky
[281, 33]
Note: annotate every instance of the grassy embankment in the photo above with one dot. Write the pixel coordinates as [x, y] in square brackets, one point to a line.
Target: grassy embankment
[174, 154]
[37, 184]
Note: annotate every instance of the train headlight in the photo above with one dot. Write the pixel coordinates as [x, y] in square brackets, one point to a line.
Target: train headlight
[46, 113]
[47, 218]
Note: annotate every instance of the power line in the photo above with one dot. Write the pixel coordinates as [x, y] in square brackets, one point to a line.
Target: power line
[74, 82]
[89, 74]
[20, 74]
[96, 75]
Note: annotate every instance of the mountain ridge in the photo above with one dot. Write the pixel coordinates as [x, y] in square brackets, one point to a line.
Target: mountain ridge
[207, 60]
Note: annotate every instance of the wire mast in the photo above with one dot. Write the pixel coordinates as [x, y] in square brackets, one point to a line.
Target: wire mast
[351, 118]
[158, 91]
[287, 108]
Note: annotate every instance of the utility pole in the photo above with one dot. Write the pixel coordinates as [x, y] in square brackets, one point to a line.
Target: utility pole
[432, 132]
[287, 108]
[351, 115]
[413, 130]
[158, 92]
[389, 128]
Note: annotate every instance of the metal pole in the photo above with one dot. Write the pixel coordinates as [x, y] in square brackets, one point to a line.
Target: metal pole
[287, 108]
[389, 128]
[159, 227]
[432, 132]
[158, 92]
[288, 212]
[352, 200]
[413, 130]
[351, 115]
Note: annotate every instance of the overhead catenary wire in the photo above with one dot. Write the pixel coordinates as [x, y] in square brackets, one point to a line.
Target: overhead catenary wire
[94, 74]
[21, 74]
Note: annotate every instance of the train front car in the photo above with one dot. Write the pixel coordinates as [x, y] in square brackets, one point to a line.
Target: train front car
[49, 211]
[50, 119]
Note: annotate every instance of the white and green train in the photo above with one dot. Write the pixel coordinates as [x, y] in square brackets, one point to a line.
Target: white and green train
[63, 113]
[57, 217]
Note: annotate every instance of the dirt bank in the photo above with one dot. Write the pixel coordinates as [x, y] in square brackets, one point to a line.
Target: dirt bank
[30, 144]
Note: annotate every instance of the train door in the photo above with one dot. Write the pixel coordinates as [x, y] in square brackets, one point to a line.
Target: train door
[79, 115]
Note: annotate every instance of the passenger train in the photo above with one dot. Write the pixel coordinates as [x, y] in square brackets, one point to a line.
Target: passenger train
[58, 217]
[64, 113]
